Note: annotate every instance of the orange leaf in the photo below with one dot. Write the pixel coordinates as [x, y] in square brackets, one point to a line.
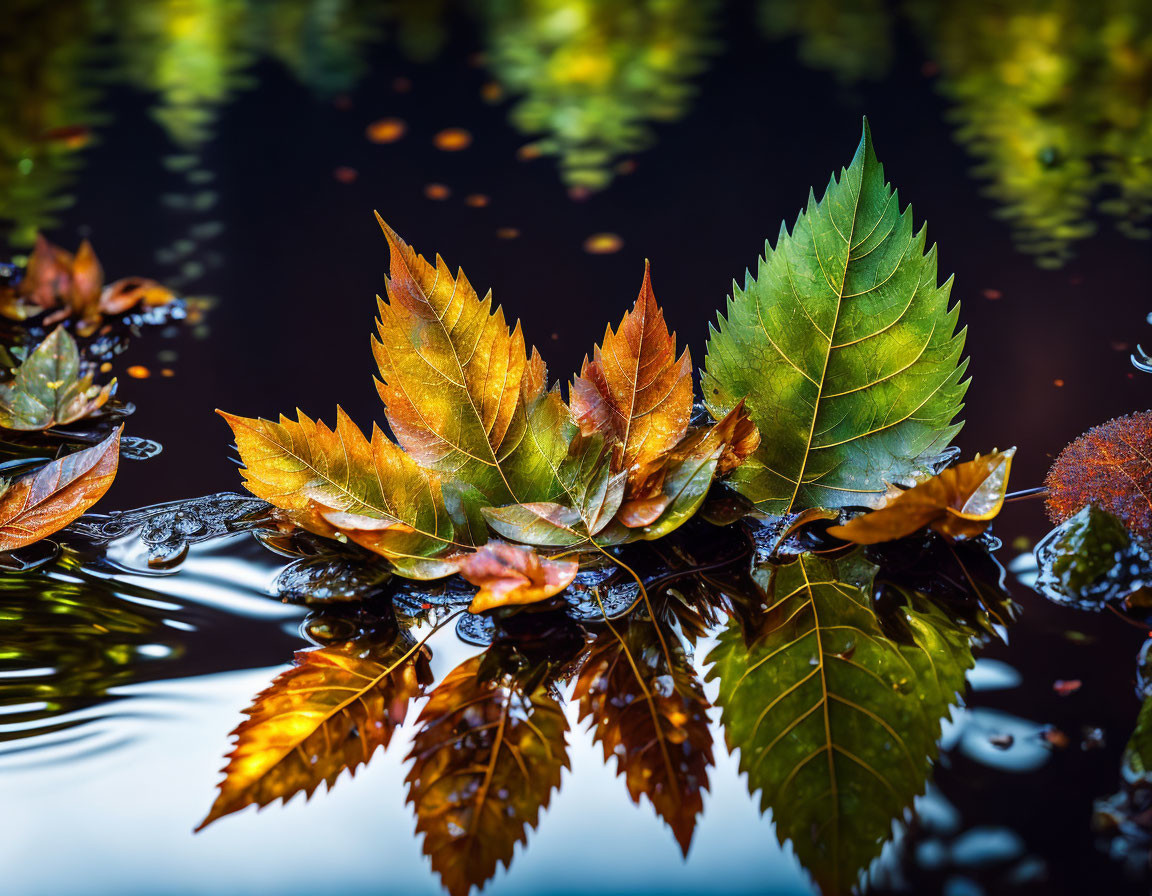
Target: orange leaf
[485, 762]
[509, 574]
[652, 718]
[126, 294]
[36, 505]
[1109, 466]
[329, 712]
[48, 277]
[735, 436]
[87, 282]
[958, 503]
[635, 390]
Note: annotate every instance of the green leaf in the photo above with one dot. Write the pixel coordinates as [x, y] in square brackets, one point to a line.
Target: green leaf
[845, 348]
[835, 720]
[593, 494]
[49, 388]
[1091, 559]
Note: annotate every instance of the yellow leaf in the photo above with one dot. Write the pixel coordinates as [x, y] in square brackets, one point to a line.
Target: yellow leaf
[330, 712]
[458, 386]
[958, 503]
[307, 469]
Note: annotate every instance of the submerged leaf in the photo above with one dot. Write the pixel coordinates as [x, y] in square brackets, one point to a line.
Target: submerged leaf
[1090, 560]
[835, 721]
[1110, 466]
[510, 575]
[50, 388]
[329, 712]
[337, 480]
[634, 390]
[845, 349]
[459, 390]
[40, 503]
[652, 718]
[959, 503]
[486, 760]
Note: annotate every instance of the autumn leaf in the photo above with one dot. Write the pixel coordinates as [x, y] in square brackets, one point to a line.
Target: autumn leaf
[460, 393]
[593, 494]
[653, 718]
[508, 575]
[48, 388]
[844, 348]
[1110, 466]
[329, 712]
[127, 293]
[40, 503]
[635, 390]
[959, 503]
[333, 479]
[485, 761]
[48, 276]
[836, 722]
[87, 283]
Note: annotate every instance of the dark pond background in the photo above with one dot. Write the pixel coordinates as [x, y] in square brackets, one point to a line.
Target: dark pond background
[221, 146]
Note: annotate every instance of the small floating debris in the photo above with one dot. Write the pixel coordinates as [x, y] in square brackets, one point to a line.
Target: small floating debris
[138, 372]
[476, 200]
[603, 244]
[386, 130]
[437, 192]
[452, 139]
[492, 92]
[345, 175]
[507, 233]
[992, 295]
[1054, 737]
[1066, 687]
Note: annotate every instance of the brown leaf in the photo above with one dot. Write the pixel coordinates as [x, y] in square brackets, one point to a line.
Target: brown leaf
[510, 574]
[48, 277]
[1110, 466]
[635, 390]
[486, 760]
[87, 283]
[652, 718]
[127, 293]
[958, 503]
[36, 505]
[329, 712]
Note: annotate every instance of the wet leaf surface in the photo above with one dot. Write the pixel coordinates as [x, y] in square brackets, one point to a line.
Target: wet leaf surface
[328, 713]
[485, 761]
[844, 348]
[959, 503]
[1108, 466]
[1091, 560]
[51, 387]
[836, 720]
[647, 708]
[40, 503]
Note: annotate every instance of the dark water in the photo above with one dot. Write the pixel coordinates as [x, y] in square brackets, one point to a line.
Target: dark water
[215, 131]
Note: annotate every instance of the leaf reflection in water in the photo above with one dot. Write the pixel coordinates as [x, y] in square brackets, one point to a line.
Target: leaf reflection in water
[71, 641]
[835, 672]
